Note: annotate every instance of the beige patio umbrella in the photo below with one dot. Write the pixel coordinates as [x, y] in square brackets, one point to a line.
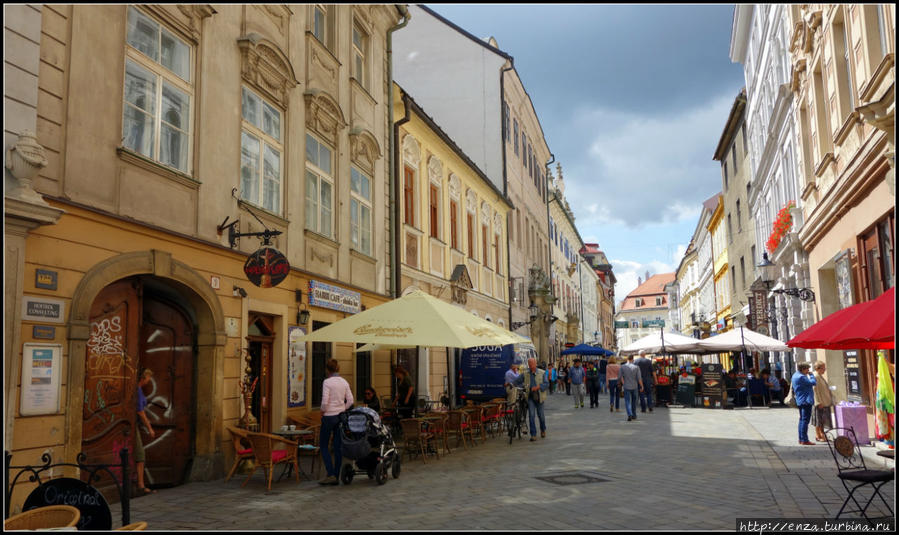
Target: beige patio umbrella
[379, 347]
[416, 319]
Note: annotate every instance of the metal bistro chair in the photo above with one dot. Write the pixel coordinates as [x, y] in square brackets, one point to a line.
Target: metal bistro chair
[852, 470]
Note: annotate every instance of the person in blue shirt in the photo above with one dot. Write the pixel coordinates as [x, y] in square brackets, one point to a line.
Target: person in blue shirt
[576, 376]
[803, 392]
[534, 382]
[511, 376]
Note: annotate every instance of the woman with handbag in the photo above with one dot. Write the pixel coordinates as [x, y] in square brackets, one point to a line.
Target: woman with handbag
[337, 397]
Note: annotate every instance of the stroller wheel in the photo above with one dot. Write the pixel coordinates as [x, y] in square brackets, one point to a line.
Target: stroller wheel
[396, 467]
[381, 473]
[346, 474]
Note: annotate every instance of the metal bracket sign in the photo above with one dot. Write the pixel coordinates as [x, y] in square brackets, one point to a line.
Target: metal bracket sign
[267, 267]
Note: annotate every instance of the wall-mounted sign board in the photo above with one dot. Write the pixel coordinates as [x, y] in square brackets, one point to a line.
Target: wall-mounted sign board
[43, 309]
[41, 365]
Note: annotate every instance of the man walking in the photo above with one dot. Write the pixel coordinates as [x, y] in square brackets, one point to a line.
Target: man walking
[646, 375]
[576, 376]
[603, 364]
[593, 384]
[534, 383]
[631, 380]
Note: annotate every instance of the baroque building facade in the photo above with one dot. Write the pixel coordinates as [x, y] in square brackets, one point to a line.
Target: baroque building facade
[760, 42]
[843, 81]
[565, 244]
[210, 122]
[605, 294]
[644, 310]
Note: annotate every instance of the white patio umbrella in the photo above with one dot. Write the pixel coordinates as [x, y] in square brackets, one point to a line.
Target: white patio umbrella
[662, 342]
[742, 339]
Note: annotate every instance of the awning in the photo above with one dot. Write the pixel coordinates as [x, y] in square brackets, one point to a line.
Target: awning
[868, 325]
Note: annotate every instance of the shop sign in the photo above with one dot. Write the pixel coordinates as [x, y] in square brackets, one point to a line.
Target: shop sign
[45, 279]
[296, 368]
[43, 309]
[40, 379]
[759, 312]
[712, 381]
[327, 296]
[853, 376]
[95, 511]
[43, 332]
[267, 267]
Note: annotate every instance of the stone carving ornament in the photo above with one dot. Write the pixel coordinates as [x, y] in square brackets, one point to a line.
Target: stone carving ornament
[323, 114]
[455, 186]
[435, 170]
[364, 148]
[497, 223]
[471, 201]
[485, 213]
[264, 66]
[411, 150]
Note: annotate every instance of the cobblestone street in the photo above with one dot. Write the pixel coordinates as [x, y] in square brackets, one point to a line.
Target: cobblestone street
[670, 469]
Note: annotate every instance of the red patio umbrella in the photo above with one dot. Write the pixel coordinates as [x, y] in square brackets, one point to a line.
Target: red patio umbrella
[868, 325]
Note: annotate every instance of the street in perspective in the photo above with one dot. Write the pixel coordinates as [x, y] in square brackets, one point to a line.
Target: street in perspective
[449, 267]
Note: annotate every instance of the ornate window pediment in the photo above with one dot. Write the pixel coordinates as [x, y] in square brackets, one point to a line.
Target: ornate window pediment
[497, 223]
[485, 213]
[266, 67]
[455, 186]
[471, 201]
[323, 115]
[435, 170]
[364, 148]
[411, 150]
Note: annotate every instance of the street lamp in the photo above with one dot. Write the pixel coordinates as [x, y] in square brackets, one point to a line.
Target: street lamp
[769, 271]
[533, 311]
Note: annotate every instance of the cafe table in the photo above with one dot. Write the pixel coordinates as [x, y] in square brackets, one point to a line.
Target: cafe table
[295, 434]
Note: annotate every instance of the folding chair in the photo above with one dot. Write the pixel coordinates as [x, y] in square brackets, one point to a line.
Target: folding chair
[852, 470]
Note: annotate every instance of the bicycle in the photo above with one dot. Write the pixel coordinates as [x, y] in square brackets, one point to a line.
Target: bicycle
[515, 418]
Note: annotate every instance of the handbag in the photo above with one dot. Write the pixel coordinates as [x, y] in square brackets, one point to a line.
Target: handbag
[791, 400]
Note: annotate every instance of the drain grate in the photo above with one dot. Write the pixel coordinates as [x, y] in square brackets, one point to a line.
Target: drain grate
[572, 478]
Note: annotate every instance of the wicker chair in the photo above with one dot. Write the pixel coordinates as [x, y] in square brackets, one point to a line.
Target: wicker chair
[242, 449]
[440, 427]
[267, 456]
[134, 526]
[51, 516]
[492, 418]
[476, 421]
[457, 425]
[416, 438]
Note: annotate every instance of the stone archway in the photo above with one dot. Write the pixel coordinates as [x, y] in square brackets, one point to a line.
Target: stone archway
[208, 463]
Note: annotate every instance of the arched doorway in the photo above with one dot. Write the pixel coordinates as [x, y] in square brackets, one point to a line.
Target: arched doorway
[139, 323]
[179, 302]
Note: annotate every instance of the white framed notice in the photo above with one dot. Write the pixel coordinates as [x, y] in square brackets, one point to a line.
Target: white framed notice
[41, 365]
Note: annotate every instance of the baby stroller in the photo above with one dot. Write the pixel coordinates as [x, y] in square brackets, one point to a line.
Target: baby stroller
[367, 448]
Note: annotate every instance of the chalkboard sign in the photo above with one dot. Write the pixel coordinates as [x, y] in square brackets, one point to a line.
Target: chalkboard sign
[713, 381]
[95, 513]
[853, 376]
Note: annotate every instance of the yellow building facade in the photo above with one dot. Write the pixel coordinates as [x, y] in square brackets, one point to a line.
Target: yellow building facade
[720, 268]
[209, 122]
[453, 235]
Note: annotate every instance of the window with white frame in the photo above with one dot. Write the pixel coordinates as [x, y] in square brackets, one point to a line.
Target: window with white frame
[319, 187]
[323, 24]
[515, 135]
[360, 54]
[260, 152]
[360, 211]
[157, 92]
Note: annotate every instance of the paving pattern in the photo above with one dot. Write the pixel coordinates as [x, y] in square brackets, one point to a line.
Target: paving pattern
[676, 468]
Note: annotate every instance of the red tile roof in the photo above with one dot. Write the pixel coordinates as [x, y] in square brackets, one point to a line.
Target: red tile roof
[649, 290]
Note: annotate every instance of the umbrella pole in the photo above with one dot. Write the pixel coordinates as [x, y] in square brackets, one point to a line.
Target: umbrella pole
[743, 343]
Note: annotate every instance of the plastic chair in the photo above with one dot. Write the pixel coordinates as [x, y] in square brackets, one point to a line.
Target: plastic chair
[51, 516]
[852, 470]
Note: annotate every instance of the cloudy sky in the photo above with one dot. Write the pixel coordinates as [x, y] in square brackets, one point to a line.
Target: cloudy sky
[632, 100]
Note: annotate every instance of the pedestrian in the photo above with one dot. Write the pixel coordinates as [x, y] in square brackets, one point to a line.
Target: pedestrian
[593, 384]
[337, 397]
[823, 403]
[612, 371]
[370, 399]
[631, 381]
[646, 375]
[804, 393]
[404, 401]
[603, 363]
[551, 377]
[563, 379]
[773, 391]
[140, 456]
[510, 378]
[576, 376]
[533, 381]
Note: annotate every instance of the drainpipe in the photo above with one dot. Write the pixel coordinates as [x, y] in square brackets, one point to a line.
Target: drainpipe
[393, 235]
[510, 218]
[549, 250]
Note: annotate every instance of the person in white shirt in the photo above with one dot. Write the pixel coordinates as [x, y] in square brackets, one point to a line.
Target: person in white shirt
[337, 397]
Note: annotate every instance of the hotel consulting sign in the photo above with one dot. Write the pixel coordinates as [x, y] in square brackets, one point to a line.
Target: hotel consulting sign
[326, 296]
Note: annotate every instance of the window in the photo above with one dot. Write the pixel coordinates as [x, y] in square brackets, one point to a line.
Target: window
[363, 371]
[434, 210]
[319, 187]
[454, 225]
[322, 24]
[515, 135]
[485, 244]
[658, 301]
[524, 152]
[471, 244]
[739, 218]
[497, 251]
[409, 196]
[157, 93]
[360, 55]
[742, 272]
[733, 153]
[506, 122]
[725, 176]
[321, 353]
[730, 234]
[842, 53]
[360, 211]
[733, 276]
[260, 152]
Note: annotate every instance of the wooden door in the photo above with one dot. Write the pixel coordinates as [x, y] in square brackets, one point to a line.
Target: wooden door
[110, 394]
[261, 341]
[167, 348]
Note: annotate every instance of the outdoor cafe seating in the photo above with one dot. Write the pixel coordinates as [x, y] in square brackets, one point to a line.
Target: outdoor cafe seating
[266, 455]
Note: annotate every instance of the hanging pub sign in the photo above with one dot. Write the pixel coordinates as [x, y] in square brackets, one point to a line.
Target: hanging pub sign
[267, 267]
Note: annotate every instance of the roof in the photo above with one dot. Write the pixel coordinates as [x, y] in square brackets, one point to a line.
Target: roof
[654, 285]
[730, 127]
[712, 203]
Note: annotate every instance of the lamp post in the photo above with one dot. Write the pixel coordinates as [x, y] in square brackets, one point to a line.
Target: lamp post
[769, 271]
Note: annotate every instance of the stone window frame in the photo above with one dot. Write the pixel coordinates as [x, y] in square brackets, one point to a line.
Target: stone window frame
[435, 184]
[264, 139]
[320, 175]
[327, 32]
[362, 202]
[486, 211]
[363, 49]
[162, 75]
[497, 237]
[411, 148]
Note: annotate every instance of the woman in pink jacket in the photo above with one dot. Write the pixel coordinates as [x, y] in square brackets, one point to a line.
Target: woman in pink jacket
[337, 397]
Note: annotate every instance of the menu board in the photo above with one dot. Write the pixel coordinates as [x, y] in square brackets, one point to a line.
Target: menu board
[40, 379]
[712, 381]
[296, 368]
[853, 376]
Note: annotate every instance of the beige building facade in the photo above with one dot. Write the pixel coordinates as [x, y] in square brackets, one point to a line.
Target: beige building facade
[209, 122]
[565, 246]
[843, 78]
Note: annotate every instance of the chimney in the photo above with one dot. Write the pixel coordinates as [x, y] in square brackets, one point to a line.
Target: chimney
[639, 281]
[647, 275]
